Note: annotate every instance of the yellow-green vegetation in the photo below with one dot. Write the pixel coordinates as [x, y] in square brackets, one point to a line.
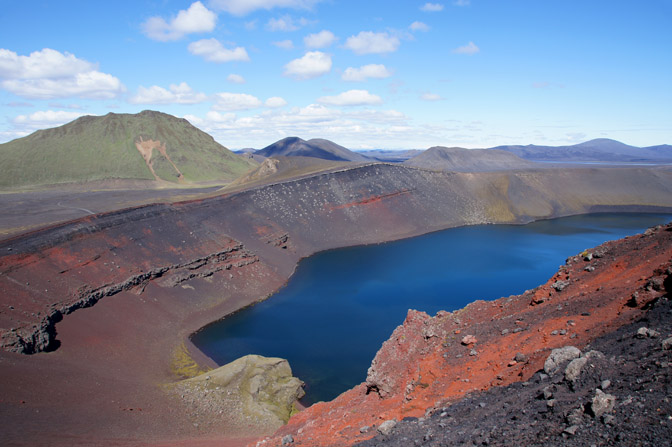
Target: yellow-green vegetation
[104, 147]
[184, 366]
[498, 209]
[254, 388]
[295, 410]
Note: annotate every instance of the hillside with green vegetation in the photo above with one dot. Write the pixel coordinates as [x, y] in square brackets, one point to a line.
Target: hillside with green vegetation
[146, 146]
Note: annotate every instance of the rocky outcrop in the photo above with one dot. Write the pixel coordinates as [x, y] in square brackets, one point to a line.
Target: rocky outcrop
[431, 362]
[616, 393]
[255, 390]
[41, 337]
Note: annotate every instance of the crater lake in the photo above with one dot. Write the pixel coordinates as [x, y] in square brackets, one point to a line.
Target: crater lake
[340, 305]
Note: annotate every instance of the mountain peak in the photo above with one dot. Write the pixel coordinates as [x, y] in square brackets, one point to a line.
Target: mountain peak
[316, 148]
[149, 145]
[602, 142]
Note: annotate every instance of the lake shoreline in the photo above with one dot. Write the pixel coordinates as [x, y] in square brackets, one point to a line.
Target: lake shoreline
[495, 343]
[267, 329]
[207, 258]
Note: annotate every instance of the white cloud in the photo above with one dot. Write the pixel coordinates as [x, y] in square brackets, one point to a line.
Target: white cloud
[419, 26]
[46, 63]
[311, 65]
[379, 116]
[220, 117]
[20, 104]
[432, 7]
[213, 51]
[9, 135]
[313, 113]
[92, 85]
[275, 102]
[284, 44]
[286, 23]
[175, 94]
[235, 78]
[196, 19]
[351, 98]
[576, 137]
[368, 42]
[322, 39]
[462, 2]
[59, 105]
[45, 118]
[375, 71]
[469, 48]
[49, 74]
[353, 128]
[243, 7]
[235, 101]
[431, 97]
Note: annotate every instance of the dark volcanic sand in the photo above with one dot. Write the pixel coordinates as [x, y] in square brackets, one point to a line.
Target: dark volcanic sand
[27, 210]
[640, 376]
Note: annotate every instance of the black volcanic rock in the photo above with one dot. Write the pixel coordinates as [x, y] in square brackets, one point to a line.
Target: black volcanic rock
[632, 373]
[316, 148]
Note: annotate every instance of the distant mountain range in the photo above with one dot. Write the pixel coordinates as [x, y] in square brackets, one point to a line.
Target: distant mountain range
[467, 160]
[163, 149]
[599, 150]
[149, 145]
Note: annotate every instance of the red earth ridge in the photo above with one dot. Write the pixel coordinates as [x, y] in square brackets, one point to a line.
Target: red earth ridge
[429, 362]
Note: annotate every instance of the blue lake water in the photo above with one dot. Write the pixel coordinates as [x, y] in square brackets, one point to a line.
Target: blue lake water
[340, 305]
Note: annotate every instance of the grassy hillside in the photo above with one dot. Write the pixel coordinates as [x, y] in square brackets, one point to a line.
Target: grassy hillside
[105, 147]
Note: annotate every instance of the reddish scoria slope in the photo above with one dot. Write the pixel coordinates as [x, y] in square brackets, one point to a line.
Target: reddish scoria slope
[430, 361]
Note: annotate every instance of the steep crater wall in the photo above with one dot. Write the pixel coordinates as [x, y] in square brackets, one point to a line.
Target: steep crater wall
[260, 234]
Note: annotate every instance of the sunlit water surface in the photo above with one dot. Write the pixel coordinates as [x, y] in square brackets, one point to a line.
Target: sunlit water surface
[340, 305]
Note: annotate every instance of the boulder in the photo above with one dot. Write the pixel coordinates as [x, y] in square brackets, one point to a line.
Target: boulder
[573, 370]
[386, 427]
[667, 343]
[261, 389]
[645, 332]
[468, 340]
[602, 403]
[560, 285]
[560, 356]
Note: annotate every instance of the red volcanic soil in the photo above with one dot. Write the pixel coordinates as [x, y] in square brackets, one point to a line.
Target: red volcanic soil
[102, 378]
[429, 362]
[93, 311]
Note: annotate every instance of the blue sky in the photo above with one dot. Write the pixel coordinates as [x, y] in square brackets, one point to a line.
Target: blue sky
[365, 74]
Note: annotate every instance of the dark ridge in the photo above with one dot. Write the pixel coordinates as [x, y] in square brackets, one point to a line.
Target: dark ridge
[316, 148]
[597, 150]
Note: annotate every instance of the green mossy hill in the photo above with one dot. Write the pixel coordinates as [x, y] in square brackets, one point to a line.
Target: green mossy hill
[94, 148]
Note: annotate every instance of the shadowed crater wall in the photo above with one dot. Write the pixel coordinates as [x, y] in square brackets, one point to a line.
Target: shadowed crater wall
[252, 240]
